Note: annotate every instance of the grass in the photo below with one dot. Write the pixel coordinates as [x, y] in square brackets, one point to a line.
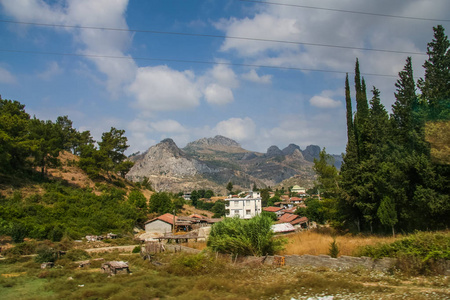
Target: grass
[314, 243]
[203, 276]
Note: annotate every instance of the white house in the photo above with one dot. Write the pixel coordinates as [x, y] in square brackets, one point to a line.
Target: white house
[245, 208]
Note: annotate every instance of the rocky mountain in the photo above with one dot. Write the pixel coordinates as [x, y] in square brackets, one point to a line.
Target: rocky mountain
[210, 163]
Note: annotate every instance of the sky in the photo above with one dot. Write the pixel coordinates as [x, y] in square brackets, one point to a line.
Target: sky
[260, 72]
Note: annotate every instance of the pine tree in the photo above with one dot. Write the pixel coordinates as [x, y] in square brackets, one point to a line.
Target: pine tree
[435, 87]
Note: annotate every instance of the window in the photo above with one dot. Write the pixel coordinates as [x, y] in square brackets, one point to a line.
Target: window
[236, 203]
[247, 212]
[236, 211]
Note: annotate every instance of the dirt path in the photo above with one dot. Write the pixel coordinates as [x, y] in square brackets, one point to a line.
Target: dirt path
[127, 248]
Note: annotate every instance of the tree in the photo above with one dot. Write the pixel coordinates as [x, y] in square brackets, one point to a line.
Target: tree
[160, 203]
[47, 143]
[66, 132]
[194, 198]
[327, 174]
[112, 147]
[230, 187]
[435, 87]
[387, 213]
[209, 194]
[218, 209]
[124, 167]
[15, 145]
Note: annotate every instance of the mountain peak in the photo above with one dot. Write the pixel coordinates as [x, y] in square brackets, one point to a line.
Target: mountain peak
[218, 140]
[273, 151]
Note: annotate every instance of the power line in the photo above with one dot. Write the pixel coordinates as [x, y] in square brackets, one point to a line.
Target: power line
[190, 61]
[214, 36]
[347, 11]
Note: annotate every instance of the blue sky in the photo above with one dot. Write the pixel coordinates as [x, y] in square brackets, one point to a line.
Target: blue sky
[147, 77]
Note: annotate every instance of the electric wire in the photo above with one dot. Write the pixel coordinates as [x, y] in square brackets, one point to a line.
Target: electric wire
[213, 36]
[192, 61]
[347, 11]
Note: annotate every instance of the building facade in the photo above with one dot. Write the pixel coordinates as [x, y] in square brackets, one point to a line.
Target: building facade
[245, 208]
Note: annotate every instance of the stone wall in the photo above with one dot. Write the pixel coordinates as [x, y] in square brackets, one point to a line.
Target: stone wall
[342, 262]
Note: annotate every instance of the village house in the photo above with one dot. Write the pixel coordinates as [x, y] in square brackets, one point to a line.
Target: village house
[245, 208]
[298, 190]
[277, 210]
[161, 224]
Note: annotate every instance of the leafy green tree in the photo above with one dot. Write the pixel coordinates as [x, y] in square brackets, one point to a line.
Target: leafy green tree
[218, 209]
[327, 175]
[194, 198]
[112, 146]
[160, 203]
[124, 167]
[209, 194]
[47, 143]
[387, 213]
[15, 144]
[178, 203]
[66, 132]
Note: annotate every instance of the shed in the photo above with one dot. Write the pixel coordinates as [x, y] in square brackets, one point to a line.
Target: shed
[115, 267]
[161, 224]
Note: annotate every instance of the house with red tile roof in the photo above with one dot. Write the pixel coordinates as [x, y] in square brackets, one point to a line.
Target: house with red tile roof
[162, 224]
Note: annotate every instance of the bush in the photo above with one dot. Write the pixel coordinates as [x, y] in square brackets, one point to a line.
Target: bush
[334, 249]
[136, 249]
[245, 237]
[46, 254]
[419, 253]
[77, 254]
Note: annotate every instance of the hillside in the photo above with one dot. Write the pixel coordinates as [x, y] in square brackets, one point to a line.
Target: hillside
[213, 162]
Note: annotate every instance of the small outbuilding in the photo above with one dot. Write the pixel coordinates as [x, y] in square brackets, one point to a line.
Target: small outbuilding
[115, 267]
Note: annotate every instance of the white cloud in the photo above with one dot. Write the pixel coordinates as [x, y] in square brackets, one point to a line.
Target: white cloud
[6, 76]
[237, 129]
[161, 88]
[254, 77]
[217, 94]
[324, 100]
[100, 13]
[52, 70]
[168, 126]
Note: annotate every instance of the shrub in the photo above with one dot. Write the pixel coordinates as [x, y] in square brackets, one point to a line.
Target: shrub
[334, 249]
[419, 253]
[136, 249]
[77, 254]
[45, 254]
[245, 237]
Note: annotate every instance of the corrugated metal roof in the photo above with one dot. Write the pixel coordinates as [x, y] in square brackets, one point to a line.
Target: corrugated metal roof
[283, 227]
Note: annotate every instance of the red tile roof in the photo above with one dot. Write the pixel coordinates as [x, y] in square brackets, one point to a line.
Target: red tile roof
[168, 218]
[296, 199]
[272, 209]
[287, 218]
[300, 221]
[197, 216]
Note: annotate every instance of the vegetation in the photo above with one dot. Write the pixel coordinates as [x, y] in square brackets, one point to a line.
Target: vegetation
[389, 180]
[418, 253]
[244, 237]
[206, 276]
[68, 211]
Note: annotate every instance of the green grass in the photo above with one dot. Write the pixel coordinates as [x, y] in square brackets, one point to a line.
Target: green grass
[203, 276]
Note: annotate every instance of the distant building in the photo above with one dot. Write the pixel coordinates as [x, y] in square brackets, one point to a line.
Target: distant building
[245, 208]
[298, 190]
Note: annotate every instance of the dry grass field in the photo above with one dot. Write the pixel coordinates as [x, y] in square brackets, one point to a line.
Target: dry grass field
[313, 243]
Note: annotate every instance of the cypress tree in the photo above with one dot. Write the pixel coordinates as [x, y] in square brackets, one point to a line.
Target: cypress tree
[435, 87]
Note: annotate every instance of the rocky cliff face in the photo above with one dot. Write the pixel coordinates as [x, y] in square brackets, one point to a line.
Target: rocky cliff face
[166, 159]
